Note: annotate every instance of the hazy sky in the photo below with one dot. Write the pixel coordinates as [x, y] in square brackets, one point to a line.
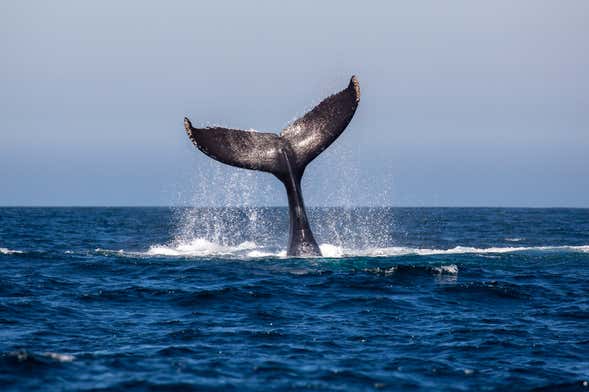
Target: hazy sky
[463, 103]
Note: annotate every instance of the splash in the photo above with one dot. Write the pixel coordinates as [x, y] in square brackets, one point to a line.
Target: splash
[233, 217]
[224, 211]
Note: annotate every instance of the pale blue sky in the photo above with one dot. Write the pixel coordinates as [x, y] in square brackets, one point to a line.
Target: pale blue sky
[463, 103]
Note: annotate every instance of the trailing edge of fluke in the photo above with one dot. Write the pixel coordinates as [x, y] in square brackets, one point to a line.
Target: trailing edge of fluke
[285, 155]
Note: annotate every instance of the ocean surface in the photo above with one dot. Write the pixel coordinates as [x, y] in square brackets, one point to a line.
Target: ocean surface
[206, 299]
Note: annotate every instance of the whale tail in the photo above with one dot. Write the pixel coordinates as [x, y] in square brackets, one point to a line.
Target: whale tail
[306, 137]
[285, 155]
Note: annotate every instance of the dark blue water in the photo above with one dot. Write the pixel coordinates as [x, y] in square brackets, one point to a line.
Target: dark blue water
[156, 299]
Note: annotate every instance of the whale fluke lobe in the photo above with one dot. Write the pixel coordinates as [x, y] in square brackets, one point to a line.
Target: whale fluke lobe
[285, 155]
[316, 130]
[245, 149]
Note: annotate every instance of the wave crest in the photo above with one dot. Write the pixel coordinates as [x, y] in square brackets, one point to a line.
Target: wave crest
[6, 251]
[334, 251]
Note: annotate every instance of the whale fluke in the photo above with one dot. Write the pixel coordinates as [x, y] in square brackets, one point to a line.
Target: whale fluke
[285, 155]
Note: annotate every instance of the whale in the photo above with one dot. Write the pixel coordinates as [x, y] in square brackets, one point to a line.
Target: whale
[285, 155]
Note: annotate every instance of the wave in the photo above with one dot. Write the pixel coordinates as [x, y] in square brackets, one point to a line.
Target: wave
[201, 247]
[6, 251]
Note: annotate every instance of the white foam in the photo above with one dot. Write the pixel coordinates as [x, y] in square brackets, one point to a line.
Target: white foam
[258, 253]
[515, 239]
[60, 357]
[6, 251]
[201, 247]
[108, 252]
[451, 269]
[403, 251]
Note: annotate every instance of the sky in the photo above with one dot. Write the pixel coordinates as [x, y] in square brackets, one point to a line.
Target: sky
[463, 103]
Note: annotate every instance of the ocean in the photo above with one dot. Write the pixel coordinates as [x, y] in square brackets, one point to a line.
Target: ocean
[206, 299]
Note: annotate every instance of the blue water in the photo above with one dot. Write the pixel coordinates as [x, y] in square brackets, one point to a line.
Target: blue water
[172, 299]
